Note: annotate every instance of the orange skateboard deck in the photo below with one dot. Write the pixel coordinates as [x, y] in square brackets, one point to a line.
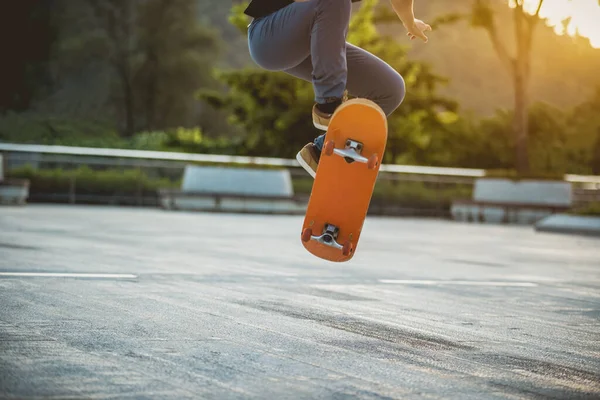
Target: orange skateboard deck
[354, 147]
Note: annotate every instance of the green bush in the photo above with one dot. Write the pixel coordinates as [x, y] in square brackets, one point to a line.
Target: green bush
[107, 182]
[419, 194]
[515, 176]
[134, 182]
[37, 128]
[592, 209]
[408, 194]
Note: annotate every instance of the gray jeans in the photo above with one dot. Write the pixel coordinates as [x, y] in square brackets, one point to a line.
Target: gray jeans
[308, 40]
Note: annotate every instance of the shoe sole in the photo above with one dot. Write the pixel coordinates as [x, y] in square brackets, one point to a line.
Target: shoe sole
[304, 165]
[362, 101]
[319, 126]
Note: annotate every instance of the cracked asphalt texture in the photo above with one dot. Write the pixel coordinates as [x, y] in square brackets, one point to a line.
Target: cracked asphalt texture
[225, 306]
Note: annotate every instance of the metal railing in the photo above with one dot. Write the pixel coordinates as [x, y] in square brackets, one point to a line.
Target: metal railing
[172, 164]
[143, 158]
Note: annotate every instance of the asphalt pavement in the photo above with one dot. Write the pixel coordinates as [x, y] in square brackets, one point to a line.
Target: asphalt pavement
[103, 302]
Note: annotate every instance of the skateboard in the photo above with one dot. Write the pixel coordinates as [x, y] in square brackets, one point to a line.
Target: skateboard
[348, 168]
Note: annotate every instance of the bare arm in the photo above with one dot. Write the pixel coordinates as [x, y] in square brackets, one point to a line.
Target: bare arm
[404, 10]
[415, 27]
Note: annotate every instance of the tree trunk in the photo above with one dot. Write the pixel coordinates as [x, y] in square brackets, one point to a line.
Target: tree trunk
[152, 89]
[519, 67]
[129, 110]
[128, 98]
[521, 121]
[596, 155]
[524, 28]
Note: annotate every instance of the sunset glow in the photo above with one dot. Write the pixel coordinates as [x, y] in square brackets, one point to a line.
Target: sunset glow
[585, 17]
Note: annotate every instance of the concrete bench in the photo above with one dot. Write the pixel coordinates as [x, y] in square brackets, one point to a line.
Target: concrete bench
[12, 191]
[506, 201]
[570, 224]
[228, 189]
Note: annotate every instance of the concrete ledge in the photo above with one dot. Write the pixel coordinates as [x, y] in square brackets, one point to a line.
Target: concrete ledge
[237, 181]
[497, 200]
[527, 191]
[235, 190]
[572, 224]
[14, 192]
[218, 202]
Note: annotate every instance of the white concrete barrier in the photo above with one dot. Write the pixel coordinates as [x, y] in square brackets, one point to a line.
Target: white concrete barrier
[553, 193]
[573, 224]
[497, 200]
[14, 191]
[227, 189]
[237, 181]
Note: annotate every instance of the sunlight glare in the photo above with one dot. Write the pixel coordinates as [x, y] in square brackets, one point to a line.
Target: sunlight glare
[584, 14]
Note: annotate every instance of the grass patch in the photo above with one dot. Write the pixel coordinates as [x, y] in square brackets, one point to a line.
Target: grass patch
[590, 210]
[407, 194]
[107, 182]
[515, 176]
[131, 182]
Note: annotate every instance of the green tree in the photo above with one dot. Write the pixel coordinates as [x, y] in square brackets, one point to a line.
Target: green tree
[424, 113]
[560, 141]
[27, 38]
[275, 109]
[584, 135]
[518, 66]
[272, 109]
[151, 55]
[177, 59]
[117, 21]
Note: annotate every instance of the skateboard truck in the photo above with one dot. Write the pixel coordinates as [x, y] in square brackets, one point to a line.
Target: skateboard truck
[351, 153]
[328, 238]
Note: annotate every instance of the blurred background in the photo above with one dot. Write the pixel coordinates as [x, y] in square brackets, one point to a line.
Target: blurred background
[506, 88]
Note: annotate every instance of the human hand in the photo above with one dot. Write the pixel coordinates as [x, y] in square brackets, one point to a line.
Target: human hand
[416, 29]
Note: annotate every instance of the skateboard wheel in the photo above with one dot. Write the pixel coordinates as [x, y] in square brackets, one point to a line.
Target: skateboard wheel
[328, 149]
[373, 162]
[347, 248]
[306, 234]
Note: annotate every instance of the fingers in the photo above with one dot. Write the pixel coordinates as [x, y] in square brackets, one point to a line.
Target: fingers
[421, 36]
[417, 32]
[421, 30]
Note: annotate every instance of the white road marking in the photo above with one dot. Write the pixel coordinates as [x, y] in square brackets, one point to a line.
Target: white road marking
[457, 283]
[66, 275]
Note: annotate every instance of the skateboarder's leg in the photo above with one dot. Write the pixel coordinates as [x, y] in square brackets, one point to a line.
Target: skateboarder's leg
[368, 77]
[316, 28]
[308, 40]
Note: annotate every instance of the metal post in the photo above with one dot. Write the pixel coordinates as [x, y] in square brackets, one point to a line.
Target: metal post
[72, 188]
[138, 190]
